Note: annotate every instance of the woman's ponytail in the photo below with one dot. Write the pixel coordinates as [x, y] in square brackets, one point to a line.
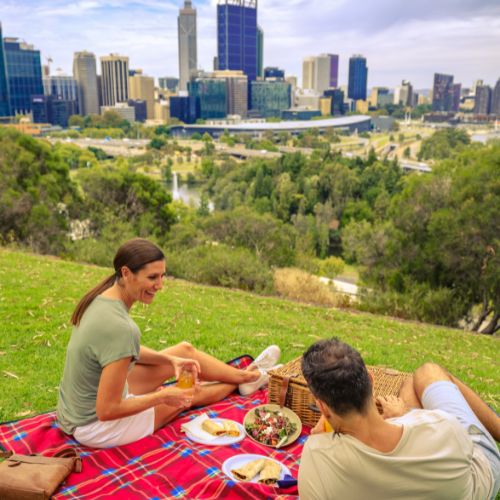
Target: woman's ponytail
[89, 297]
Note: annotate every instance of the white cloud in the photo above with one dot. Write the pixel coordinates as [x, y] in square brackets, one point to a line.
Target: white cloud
[400, 40]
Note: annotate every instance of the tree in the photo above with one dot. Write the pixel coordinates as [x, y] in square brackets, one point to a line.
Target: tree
[204, 208]
[112, 118]
[332, 267]
[96, 121]
[407, 152]
[76, 121]
[394, 126]
[201, 121]
[196, 137]
[207, 137]
[157, 142]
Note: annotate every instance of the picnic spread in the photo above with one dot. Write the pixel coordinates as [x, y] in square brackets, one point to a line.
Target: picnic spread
[241, 447]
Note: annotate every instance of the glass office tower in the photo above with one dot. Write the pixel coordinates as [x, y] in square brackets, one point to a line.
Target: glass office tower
[185, 109]
[337, 97]
[237, 36]
[443, 93]
[211, 97]
[4, 83]
[271, 98]
[358, 78]
[260, 51]
[24, 71]
[63, 85]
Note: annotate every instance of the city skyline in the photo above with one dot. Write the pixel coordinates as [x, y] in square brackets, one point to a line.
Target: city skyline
[396, 48]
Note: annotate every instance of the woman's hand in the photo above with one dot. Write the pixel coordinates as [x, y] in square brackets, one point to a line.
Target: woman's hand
[180, 364]
[178, 398]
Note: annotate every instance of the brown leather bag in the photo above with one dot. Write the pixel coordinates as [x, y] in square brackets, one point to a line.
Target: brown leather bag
[36, 477]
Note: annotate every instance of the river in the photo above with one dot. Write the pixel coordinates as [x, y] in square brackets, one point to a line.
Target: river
[188, 194]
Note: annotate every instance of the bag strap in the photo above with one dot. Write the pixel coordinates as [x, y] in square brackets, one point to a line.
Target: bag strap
[71, 453]
[284, 388]
[6, 454]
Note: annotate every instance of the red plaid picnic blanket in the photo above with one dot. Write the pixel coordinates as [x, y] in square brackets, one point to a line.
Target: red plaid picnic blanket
[166, 465]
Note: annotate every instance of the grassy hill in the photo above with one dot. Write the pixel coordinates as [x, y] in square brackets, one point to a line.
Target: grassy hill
[38, 295]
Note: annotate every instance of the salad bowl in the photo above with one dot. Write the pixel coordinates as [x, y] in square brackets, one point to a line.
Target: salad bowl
[272, 426]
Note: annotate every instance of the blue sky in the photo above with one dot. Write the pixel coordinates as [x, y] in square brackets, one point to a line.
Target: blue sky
[401, 40]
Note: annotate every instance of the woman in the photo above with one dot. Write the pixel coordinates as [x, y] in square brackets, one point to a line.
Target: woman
[108, 394]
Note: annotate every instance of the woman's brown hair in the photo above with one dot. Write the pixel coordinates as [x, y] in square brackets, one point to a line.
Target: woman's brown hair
[135, 254]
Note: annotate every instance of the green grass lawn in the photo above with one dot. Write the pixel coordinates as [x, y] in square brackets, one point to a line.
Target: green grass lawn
[38, 295]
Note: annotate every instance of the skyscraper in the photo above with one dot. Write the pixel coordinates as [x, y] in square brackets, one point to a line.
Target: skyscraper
[271, 97]
[24, 73]
[237, 36]
[260, 50]
[114, 75]
[358, 78]
[457, 93]
[475, 84]
[4, 84]
[495, 102]
[52, 109]
[84, 70]
[142, 88]
[274, 72]
[168, 82]
[482, 105]
[443, 93]
[62, 85]
[337, 101]
[188, 45]
[308, 73]
[326, 72]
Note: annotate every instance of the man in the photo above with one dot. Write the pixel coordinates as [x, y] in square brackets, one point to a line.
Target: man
[443, 449]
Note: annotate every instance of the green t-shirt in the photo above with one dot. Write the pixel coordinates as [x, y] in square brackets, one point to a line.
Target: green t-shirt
[106, 333]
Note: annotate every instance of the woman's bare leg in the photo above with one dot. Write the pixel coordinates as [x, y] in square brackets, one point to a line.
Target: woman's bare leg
[144, 379]
[204, 396]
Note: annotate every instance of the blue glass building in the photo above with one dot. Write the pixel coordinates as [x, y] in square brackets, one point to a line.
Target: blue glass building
[211, 97]
[53, 109]
[358, 78]
[237, 36]
[4, 84]
[24, 71]
[271, 98]
[185, 109]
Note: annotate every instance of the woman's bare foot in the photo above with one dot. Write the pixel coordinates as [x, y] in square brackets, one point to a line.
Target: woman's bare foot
[251, 374]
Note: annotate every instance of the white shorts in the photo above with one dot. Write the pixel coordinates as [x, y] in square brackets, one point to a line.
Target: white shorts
[117, 432]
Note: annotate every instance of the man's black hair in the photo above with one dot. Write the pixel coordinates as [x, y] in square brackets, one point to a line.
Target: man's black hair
[336, 374]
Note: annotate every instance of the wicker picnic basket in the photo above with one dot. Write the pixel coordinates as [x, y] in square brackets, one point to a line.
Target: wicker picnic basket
[289, 383]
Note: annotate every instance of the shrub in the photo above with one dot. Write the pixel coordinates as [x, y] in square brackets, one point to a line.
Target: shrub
[295, 284]
[421, 303]
[220, 265]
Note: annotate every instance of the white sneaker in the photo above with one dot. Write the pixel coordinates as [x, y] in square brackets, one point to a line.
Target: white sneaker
[251, 387]
[268, 358]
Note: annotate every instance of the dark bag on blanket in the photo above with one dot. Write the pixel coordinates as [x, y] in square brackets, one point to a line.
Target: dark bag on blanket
[36, 477]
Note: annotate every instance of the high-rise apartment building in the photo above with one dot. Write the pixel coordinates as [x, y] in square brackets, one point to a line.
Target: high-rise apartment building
[142, 88]
[495, 101]
[84, 70]
[271, 97]
[326, 72]
[292, 80]
[443, 93]
[475, 85]
[24, 74]
[237, 36]
[168, 83]
[188, 43]
[274, 72]
[4, 83]
[260, 51]
[308, 73]
[482, 104]
[62, 85]
[457, 94]
[337, 101]
[114, 75]
[53, 109]
[358, 78]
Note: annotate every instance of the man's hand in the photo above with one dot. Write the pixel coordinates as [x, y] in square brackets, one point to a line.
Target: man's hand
[392, 407]
[320, 427]
[180, 364]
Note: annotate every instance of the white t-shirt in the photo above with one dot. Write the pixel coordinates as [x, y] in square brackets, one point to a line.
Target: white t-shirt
[435, 460]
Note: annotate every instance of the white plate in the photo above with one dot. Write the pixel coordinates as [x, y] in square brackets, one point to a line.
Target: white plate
[223, 440]
[240, 460]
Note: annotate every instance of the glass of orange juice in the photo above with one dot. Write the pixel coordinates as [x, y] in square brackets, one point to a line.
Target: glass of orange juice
[328, 427]
[186, 380]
